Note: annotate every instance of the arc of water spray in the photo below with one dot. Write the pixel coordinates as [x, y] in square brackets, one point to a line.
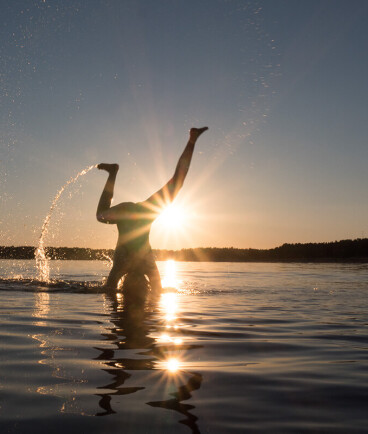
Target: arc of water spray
[42, 262]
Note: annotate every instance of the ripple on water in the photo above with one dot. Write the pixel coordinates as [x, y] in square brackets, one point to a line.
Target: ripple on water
[252, 354]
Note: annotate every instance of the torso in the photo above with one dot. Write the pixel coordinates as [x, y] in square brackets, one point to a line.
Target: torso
[134, 225]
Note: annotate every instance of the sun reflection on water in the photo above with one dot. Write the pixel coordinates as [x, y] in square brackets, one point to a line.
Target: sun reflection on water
[169, 339]
[172, 364]
[170, 279]
[41, 308]
[169, 306]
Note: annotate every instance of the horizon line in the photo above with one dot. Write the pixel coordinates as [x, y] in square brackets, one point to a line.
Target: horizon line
[193, 248]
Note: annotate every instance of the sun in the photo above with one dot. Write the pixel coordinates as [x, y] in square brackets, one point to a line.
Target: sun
[175, 224]
[172, 217]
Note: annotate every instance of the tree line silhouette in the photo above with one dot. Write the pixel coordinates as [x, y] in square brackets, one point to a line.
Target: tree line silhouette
[344, 250]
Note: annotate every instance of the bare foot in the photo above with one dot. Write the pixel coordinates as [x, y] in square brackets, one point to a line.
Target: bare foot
[196, 132]
[111, 168]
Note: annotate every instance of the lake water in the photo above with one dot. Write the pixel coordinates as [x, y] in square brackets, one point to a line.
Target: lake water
[231, 348]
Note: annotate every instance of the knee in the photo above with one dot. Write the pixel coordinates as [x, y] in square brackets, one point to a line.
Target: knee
[100, 218]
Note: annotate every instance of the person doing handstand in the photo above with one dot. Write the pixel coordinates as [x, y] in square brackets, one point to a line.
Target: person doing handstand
[133, 253]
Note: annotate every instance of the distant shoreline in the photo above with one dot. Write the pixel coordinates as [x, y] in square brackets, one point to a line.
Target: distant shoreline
[336, 251]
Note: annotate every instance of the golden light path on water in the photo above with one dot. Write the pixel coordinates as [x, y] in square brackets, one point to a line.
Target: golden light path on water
[169, 306]
[41, 308]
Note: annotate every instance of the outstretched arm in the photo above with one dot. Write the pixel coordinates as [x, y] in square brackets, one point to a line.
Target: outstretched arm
[169, 191]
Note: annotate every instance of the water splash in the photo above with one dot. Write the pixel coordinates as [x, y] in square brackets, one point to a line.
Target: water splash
[107, 260]
[42, 262]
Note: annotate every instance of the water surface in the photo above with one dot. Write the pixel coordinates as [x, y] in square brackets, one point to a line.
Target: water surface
[231, 348]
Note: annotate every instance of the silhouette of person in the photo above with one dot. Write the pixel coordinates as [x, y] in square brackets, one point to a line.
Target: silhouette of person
[133, 253]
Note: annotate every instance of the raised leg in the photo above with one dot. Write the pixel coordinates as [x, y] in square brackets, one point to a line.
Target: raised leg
[168, 192]
[108, 191]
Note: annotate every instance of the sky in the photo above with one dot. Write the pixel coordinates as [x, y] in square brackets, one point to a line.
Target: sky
[281, 84]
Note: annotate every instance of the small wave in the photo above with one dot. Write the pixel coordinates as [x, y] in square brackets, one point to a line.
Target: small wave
[24, 284]
[34, 285]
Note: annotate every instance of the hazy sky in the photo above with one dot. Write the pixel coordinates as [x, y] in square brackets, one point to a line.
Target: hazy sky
[282, 85]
